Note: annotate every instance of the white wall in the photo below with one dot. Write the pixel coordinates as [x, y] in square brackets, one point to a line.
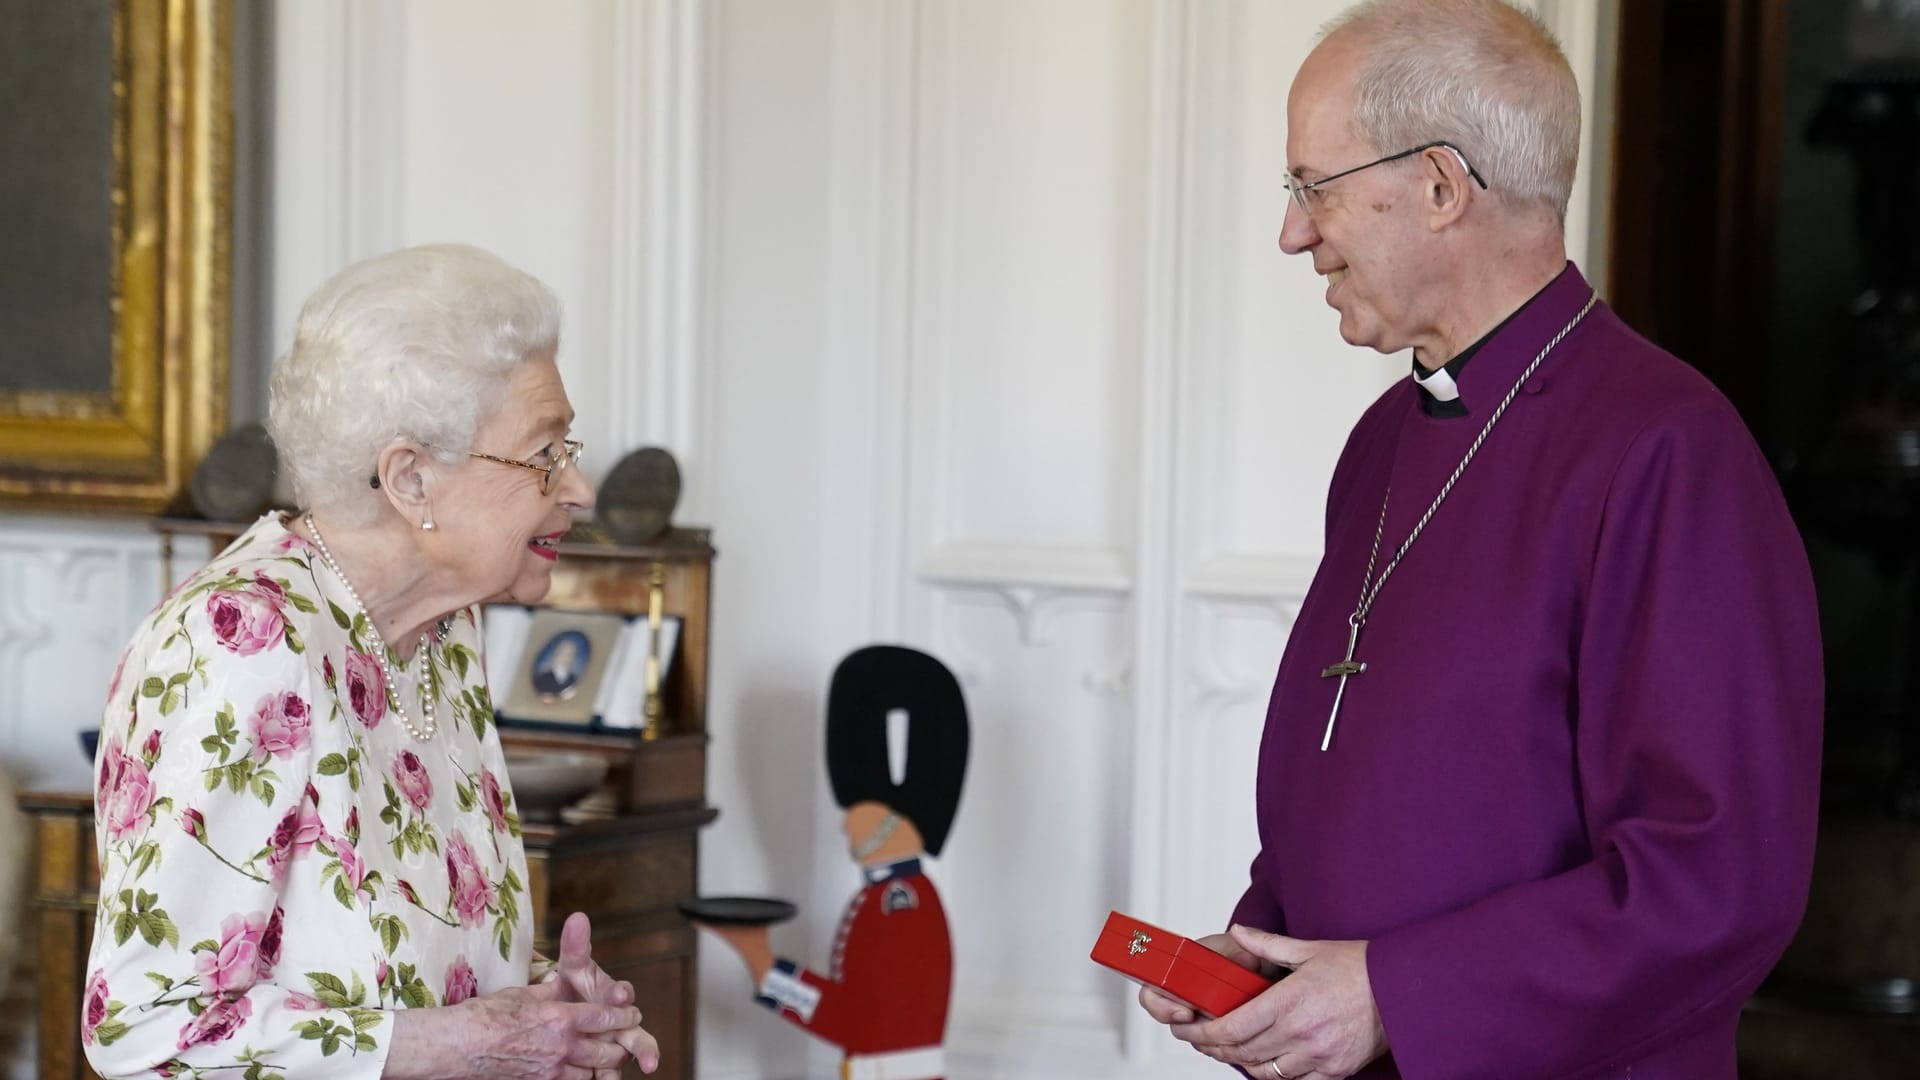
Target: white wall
[966, 322]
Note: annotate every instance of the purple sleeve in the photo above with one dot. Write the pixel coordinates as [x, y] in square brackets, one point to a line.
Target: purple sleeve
[1257, 907]
[1697, 711]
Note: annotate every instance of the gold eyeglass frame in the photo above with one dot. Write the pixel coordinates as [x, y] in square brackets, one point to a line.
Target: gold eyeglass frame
[570, 451]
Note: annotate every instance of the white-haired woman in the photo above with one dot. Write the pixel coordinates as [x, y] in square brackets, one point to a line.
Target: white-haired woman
[310, 861]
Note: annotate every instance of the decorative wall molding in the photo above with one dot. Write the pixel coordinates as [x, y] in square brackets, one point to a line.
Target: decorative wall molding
[1281, 580]
[1035, 568]
[1584, 28]
[338, 194]
[871, 318]
[71, 593]
[659, 232]
[1162, 464]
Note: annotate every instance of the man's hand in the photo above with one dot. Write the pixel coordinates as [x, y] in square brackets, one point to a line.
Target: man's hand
[1320, 1022]
[1171, 1010]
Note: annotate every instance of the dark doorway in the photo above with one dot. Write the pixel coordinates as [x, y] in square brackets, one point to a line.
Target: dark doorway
[1766, 228]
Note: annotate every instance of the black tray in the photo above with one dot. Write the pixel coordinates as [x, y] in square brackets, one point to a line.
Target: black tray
[737, 910]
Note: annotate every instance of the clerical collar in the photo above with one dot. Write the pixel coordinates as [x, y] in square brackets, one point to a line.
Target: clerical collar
[888, 871]
[1441, 396]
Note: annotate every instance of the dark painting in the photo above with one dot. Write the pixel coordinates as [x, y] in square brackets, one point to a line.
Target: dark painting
[56, 196]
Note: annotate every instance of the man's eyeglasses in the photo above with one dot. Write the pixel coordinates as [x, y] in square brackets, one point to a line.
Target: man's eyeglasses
[550, 472]
[1299, 190]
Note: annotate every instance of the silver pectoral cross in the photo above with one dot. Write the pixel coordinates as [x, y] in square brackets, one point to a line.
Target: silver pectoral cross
[1342, 670]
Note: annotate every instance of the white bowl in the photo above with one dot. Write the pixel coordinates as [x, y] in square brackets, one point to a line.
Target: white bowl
[545, 783]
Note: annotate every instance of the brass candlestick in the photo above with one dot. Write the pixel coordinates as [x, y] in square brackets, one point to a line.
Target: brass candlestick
[656, 603]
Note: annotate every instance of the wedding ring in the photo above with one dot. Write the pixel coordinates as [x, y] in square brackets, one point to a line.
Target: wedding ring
[1275, 1066]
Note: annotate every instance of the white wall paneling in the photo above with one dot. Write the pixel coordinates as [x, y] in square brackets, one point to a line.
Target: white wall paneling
[338, 145]
[657, 223]
[71, 592]
[966, 321]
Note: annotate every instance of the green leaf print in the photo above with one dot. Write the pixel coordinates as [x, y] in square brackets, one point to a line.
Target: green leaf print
[145, 858]
[333, 764]
[391, 930]
[169, 702]
[329, 989]
[340, 617]
[257, 1068]
[156, 927]
[302, 603]
[329, 1034]
[293, 639]
[152, 687]
[110, 1031]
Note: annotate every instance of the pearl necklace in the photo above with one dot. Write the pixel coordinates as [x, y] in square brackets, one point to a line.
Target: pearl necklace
[380, 649]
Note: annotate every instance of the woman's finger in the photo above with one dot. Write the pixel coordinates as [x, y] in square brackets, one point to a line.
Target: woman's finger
[620, 993]
[644, 1048]
[595, 1054]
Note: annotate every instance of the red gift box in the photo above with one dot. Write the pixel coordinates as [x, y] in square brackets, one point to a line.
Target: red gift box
[1188, 970]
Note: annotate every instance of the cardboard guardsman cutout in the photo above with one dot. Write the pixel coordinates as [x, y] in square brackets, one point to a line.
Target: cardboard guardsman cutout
[884, 1000]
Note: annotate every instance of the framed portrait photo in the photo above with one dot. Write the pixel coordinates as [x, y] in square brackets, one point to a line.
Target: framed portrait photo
[565, 658]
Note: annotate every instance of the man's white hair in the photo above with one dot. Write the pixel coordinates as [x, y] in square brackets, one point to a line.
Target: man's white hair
[1481, 74]
[417, 344]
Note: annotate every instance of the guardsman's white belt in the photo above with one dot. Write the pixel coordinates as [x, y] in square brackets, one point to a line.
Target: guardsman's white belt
[925, 1063]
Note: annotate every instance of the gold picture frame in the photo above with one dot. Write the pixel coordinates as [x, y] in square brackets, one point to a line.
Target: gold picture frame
[129, 442]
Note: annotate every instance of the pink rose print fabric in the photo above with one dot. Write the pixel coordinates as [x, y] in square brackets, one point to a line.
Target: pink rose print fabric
[248, 619]
[281, 868]
[366, 689]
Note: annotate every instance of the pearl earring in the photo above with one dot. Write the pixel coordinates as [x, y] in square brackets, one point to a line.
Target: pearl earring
[427, 525]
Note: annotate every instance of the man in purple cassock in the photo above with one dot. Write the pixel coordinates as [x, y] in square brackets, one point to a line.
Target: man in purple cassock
[1540, 774]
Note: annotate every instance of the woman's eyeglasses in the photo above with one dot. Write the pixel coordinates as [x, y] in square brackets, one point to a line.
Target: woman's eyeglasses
[550, 472]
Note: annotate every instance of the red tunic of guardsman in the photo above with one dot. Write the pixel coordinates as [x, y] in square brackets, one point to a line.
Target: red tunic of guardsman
[884, 1000]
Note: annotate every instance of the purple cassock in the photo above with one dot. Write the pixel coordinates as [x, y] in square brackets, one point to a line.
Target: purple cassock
[1571, 801]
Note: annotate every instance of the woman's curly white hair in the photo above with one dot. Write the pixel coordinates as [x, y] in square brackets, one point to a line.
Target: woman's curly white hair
[418, 344]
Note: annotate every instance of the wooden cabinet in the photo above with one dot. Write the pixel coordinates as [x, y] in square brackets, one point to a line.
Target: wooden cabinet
[625, 865]
[66, 884]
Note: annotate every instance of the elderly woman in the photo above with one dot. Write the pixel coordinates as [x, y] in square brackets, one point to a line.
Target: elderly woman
[310, 861]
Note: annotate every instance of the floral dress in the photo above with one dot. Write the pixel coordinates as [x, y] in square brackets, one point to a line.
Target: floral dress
[281, 864]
